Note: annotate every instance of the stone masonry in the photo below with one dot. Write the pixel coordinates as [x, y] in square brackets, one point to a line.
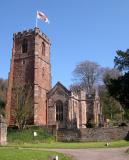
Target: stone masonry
[94, 134]
[77, 109]
[30, 66]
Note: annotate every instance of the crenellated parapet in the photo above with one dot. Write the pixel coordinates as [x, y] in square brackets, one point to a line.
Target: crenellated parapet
[29, 32]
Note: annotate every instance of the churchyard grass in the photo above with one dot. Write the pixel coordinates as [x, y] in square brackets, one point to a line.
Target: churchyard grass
[26, 139]
[27, 136]
[73, 145]
[28, 154]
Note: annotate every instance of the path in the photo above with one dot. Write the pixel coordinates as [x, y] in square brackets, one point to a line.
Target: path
[97, 154]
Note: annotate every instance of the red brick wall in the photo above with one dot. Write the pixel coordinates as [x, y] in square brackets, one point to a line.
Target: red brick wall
[42, 78]
[26, 68]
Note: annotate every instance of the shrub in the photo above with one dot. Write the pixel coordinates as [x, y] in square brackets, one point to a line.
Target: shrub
[123, 124]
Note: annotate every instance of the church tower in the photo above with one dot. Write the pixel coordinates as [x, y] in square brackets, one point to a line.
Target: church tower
[30, 65]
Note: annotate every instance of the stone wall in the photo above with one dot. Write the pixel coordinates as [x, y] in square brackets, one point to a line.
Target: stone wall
[3, 131]
[68, 135]
[94, 134]
[103, 134]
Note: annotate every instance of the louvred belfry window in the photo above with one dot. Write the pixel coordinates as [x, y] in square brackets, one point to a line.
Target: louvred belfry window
[24, 46]
[43, 48]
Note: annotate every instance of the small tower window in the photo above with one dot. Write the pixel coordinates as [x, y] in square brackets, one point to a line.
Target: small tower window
[43, 48]
[24, 46]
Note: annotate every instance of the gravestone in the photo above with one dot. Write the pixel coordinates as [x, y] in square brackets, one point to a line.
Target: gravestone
[3, 131]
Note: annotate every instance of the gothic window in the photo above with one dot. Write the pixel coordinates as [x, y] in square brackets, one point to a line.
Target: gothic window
[59, 111]
[43, 48]
[24, 46]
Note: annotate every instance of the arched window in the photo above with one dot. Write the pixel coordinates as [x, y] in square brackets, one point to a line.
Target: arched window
[59, 111]
[24, 46]
[43, 48]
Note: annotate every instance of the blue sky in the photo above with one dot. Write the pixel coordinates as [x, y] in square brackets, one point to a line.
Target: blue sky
[79, 30]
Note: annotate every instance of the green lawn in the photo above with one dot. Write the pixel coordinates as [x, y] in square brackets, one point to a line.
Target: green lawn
[121, 143]
[29, 151]
[27, 154]
[26, 136]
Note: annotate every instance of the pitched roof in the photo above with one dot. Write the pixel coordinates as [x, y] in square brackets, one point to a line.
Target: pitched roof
[57, 85]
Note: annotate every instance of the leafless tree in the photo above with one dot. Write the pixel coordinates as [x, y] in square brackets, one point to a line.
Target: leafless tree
[110, 73]
[88, 74]
[23, 105]
[3, 89]
[76, 87]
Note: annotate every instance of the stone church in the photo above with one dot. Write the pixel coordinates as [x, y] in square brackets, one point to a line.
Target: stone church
[30, 64]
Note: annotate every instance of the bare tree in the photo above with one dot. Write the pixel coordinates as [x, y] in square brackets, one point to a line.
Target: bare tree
[76, 87]
[111, 73]
[2, 107]
[23, 105]
[3, 89]
[88, 74]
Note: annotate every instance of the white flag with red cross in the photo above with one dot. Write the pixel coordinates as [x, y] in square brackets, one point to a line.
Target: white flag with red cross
[42, 16]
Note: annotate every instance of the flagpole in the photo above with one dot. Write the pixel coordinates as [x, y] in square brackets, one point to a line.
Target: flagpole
[36, 20]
